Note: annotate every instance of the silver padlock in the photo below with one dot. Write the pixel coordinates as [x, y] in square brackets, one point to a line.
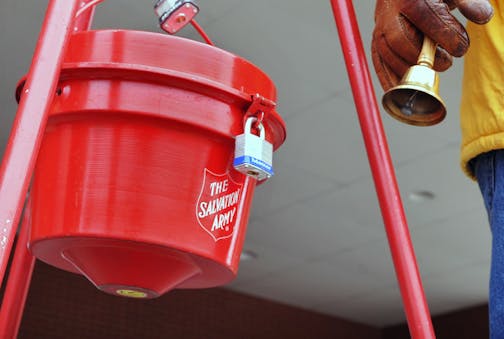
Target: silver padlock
[253, 154]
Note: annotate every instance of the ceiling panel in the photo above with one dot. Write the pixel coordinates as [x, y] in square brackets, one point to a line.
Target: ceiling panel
[306, 230]
[458, 289]
[284, 38]
[464, 236]
[319, 282]
[438, 173]
[289, 186]
[380, 307]
[266, 260]
[334, 148]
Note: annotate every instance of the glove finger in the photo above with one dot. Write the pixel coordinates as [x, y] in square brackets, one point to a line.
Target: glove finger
[394, 62]
[400, 44]
[433, 17]
[385, 58]
[401, 37]
[443, 60]
[478, 11]
[386, 76]
[451, 4]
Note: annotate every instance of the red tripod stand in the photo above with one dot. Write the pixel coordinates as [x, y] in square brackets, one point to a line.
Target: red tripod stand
[26, 136]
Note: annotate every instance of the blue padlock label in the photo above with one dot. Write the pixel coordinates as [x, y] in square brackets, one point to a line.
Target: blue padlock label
[255, 162]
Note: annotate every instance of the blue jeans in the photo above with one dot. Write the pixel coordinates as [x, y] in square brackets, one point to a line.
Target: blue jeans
[489, 170]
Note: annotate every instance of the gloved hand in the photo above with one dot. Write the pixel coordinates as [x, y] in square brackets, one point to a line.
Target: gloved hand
[401, 24]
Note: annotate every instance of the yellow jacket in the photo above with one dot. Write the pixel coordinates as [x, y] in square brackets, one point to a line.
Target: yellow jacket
[482, 105]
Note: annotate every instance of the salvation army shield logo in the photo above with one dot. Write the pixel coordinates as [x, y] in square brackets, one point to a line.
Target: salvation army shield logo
[217, 207]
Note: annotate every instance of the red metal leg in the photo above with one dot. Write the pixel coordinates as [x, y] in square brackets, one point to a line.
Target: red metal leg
[84, 21]
[29, 124]
[18, 285]
[408, 276]
[23, 262]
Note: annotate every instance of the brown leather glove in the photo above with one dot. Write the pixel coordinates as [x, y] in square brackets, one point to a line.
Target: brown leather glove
[401, 24]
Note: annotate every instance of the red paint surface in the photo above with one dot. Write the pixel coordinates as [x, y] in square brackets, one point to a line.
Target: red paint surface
[401, 248]
[27, 131]
[18, 284]
[21, 153]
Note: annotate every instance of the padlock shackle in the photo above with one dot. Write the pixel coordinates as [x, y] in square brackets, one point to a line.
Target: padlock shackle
[259, 126]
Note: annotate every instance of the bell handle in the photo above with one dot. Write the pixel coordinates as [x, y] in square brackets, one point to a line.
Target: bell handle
[427, 53]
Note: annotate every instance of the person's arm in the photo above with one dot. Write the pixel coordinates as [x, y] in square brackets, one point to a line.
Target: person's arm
[401, 24]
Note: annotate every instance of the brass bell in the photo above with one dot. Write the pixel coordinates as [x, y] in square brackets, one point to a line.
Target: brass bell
[416, 99]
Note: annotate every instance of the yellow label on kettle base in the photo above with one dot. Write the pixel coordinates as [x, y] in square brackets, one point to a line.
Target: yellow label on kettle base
[131, 293]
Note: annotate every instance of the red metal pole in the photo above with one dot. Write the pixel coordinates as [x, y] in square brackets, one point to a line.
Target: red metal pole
[29, 125]
[408, 276]
[55, 32]
[18, 285]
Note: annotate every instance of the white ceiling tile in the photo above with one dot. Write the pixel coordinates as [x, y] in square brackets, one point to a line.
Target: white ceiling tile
[19, 24]
[289, 185]
[308, 284]
[357, 202]
[119, 14]
[327, 142]
[409, 143]
[215, 10]
[459, 241]
[307, 230]
[458, 288]
[267, 261]
[372, 258]
[287, 45]
[381, 307]
[439, 173]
